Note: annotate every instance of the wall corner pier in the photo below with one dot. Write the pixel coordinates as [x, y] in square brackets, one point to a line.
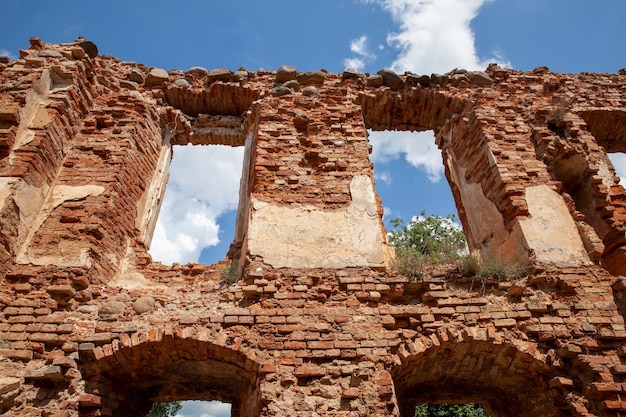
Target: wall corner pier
[317, 324]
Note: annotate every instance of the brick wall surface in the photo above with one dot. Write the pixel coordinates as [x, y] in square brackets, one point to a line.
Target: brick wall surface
[90, 326]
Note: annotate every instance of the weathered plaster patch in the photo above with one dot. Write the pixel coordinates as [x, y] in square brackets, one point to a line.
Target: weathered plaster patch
[550, 231]
[485, 222]
[149, 206]
[70, 255]
[6, 189]
[363, 222]
[244, 206]
[40, 119]
[34, 102]
[29, 200]
[128, 277]
[308, 237]
[63, 193]
[605, 173]
[67, 255]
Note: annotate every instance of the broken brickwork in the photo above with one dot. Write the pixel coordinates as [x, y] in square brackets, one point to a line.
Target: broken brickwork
[316, 324]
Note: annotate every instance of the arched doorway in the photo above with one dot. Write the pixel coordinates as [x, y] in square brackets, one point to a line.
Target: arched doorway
[504, 380]
[129, 379]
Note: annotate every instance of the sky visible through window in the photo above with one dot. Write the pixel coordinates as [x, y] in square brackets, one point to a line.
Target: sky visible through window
[197, 218]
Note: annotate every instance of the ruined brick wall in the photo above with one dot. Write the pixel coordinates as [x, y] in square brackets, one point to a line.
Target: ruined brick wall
[317, 323]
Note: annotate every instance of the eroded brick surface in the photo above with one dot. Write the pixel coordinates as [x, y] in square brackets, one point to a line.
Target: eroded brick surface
[90, 326]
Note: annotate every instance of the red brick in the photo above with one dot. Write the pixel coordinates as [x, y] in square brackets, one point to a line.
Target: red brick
[294, 345]
[320, 344]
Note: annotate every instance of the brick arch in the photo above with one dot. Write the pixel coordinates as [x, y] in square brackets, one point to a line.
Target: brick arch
[413, 110]
[125, 377]
[506, 379]
[608, 126]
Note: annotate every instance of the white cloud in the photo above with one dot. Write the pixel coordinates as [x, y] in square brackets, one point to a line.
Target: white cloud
[5, 52]
[354, 63]
[359, 48]
[204, 184]
[204, 409]
[387, 212]
[619, 162]
[384, 176]
[434, 35]
[419, 150]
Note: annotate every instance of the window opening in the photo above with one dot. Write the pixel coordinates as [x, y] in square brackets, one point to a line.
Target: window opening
[450, 410]
[419, 211]
[190, 409]
[196, 221]
[618, 159]
[572, 170]
[409, 175]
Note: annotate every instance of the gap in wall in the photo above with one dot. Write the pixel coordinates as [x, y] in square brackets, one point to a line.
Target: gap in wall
[204, 409]
[409, 175]
[197, 218]
[450, 410]
[619, 163]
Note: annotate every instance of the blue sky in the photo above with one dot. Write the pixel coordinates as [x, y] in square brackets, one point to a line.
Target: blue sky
[423, 36]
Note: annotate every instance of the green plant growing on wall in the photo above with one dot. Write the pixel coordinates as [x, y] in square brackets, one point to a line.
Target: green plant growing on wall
[426, 239]
[432, 239]
[469, 265]
[557, 114]
[447, 410]
[164, 409]
[500, 269]
[230, 273]
[491, 267]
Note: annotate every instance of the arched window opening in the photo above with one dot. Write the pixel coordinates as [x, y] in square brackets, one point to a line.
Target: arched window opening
[608, 127]
[205, 378]
[587, 179]
[493, 375]
[198, 213]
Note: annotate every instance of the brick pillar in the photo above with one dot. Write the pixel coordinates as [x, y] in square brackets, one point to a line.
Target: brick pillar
[89, 215]
[312, 202]
[37, 119]
[354, 390]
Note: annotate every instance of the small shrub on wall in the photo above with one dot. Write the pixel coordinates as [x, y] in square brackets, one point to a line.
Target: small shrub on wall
[164, 409]
[446, 410]
[432, 239]
[426, 240]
